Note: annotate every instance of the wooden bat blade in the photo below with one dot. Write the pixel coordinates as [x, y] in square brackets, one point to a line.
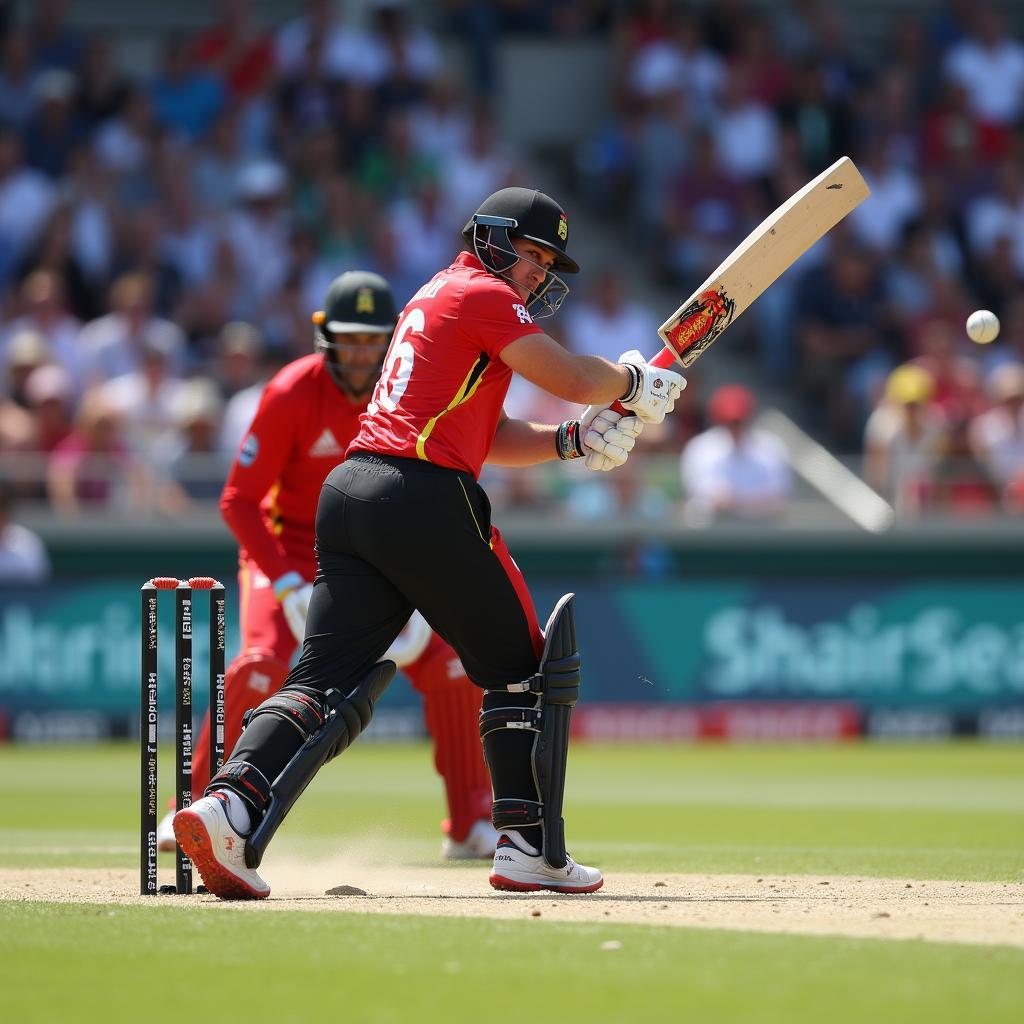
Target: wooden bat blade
[761, 258]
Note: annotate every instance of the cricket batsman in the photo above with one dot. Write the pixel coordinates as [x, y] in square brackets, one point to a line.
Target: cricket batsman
[308, 415]
[403, 523]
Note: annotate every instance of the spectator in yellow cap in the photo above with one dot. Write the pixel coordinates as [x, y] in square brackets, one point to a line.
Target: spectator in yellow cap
[904, 439]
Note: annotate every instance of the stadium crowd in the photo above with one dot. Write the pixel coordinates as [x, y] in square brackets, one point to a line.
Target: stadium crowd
[164, 238]
[723, 111]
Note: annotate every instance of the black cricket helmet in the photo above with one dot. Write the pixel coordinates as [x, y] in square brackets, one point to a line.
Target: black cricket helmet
[358, 302]
[523, 213]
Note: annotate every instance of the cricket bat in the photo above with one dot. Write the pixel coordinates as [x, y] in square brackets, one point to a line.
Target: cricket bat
[761, 258]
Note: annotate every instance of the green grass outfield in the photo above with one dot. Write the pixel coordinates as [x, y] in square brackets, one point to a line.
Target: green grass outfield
[951, 811]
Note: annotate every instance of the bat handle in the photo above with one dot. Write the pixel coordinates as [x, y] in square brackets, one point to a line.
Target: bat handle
[663, 360]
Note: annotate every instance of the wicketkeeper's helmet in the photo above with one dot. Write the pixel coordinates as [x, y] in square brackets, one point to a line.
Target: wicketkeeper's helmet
[357, 302]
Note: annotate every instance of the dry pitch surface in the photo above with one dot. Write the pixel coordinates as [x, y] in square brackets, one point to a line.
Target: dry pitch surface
[936, 911]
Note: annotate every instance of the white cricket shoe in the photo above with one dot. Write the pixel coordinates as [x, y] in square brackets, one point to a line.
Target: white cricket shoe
[165, 841]
[518, 867]
[478, 845]
[205, 833]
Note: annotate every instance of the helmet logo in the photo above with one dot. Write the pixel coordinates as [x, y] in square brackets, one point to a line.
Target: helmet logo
[563, 227]
[364, 301]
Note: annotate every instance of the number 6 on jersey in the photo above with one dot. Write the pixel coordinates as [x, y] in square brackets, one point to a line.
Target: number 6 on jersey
[394, 378]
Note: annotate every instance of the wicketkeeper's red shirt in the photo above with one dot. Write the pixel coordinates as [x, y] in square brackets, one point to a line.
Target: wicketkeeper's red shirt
[299, 434]
[440, 395]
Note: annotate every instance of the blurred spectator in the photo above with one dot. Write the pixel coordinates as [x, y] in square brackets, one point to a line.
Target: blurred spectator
[125, 149]
[485, 165]
[341, 232]
[402, 56]
[423, 233]
[903, 441]
[54, 253]
[734, 470]
[23, 557]
[895, 198]
[189, 463]
[745, 131]
[17, 79]
[955, 377]
[91, 469]
[236, 49]
[102, 86]
[962, 486]
[757, 56]
[17, 429]
[703, 216]
[440, 124]
[185, 99]
[674, 60]
[54, 44]
[393, 168]
[26, 198]
[217, 165]
[258, 231]
[88, 193]
[238, 358]
[113, 345]
[999, 214]
[997, 436]
[43, 311]
[306, 98]
[340, 48]
[821, 123]
[605, 322]
[146, 400]
[54, 128]
[990, 67]
[49, 397]
[24, 350]
[140, 251]
[842, 314]
[188, 240]
[242, 347]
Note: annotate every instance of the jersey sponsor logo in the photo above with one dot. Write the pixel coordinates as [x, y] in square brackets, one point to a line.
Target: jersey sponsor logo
[325, 445]
[249, 450]
[520, 311]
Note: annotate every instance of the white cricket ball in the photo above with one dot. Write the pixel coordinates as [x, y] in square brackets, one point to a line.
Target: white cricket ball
[983, 326]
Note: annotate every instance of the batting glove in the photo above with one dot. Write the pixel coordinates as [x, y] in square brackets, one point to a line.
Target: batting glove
[654, 390]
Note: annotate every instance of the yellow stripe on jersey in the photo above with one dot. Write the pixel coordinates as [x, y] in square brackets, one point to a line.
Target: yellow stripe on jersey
[276, 522]
[466, 391]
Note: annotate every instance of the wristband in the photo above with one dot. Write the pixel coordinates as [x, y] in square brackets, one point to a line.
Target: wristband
[636, 381]
[568, 443]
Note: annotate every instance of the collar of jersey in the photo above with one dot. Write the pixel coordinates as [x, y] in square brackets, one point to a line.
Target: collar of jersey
[471, 260]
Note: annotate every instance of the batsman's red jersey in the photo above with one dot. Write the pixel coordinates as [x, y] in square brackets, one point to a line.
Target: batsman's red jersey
[447, 345]
[298, 435]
